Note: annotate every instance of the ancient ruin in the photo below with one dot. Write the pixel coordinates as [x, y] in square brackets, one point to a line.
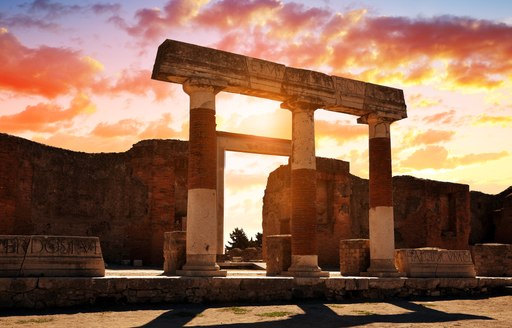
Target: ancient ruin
[204, 72]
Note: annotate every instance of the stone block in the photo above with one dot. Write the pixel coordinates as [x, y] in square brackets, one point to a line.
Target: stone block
[50, 256]
[175, 253]
[492, 260]
[279, 254]
[354, 256]
[434, 262]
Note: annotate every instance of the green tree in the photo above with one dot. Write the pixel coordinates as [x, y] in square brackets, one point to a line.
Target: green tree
[257, 242]
[238, 239]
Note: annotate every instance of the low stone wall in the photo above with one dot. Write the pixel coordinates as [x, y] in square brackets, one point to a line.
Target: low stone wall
[492, 260]
[354, 256]
[64, 292]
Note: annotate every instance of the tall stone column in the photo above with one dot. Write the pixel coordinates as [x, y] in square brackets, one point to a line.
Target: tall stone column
[304, 262]
[381, 222]
[202, 182]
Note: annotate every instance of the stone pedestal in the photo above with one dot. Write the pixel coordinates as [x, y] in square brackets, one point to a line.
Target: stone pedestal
[354, 256]
[50, 256]
[174, 251]
[279, 254]
[435, 262]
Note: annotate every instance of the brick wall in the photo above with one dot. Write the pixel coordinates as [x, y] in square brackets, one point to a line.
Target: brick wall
[127, 199]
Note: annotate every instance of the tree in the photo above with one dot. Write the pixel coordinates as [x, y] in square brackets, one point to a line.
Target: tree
[238, 239]
[258, 241]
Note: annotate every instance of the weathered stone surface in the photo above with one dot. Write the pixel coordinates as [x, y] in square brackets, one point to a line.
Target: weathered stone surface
[178, 62]
[126, 199]
[433, 262]
[492, 260]
[354, 256]
[174, 251]
[426, 213]
[50, 256]
[279, 254]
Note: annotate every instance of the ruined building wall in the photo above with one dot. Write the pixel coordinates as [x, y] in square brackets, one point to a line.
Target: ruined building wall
[127, 199]
[427, 213]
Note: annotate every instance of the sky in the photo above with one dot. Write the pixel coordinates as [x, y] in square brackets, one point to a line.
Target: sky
[77, 75]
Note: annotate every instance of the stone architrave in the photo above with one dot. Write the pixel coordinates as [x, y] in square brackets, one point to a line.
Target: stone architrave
[435, 262]
[50, 256]
[177, 62]
[202, 181]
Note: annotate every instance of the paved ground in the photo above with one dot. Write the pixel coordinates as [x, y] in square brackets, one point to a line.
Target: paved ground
[495, 311]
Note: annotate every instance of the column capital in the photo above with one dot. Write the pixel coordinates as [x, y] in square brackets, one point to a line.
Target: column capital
[378, 125]
[300, 103]
[375, 117]
[194, 85]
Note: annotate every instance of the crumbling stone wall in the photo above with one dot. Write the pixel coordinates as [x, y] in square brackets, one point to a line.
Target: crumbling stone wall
[427, 213]
[126, 199]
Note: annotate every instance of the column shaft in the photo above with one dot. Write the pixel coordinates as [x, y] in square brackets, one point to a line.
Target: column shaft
[303, 189]
[381, 221]
[202, 184]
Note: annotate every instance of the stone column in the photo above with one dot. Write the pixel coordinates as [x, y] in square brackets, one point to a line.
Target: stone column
[202, 182]
[381, 222]
[221, 163]
[304, 262]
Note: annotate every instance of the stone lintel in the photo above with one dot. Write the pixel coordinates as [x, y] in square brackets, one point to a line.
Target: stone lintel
[253, 144]
[178, 62]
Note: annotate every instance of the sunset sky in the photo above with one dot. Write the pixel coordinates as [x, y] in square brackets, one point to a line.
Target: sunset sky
[77, 75]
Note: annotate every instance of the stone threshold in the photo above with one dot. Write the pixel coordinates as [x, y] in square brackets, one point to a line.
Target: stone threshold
[51, 292]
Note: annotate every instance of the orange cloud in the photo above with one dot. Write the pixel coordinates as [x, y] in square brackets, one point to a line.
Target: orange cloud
[127, 127]
[137, 82]
[46, 117]
[505, 121]
[339, 131]
[432, 137]
[436, 157]
[443, 118]
[45, 71]
[160, 129]
[419, 101]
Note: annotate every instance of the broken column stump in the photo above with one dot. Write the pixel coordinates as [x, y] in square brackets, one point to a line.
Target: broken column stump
[354, 256]
[175, 254]
[50, 256]
[279, 254]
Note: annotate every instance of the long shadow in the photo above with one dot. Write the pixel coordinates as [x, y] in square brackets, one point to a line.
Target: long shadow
[317, 314]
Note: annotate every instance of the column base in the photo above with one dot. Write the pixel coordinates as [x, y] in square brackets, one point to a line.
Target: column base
[305, 266]
[382, 268]
[201, 265]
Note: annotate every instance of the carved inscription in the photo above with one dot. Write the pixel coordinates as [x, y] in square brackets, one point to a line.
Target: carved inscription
[348, 87]
[310, 78]
[263, 68]
[48, 246]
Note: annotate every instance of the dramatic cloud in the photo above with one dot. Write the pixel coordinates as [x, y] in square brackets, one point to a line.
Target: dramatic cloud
[505, 121]
[442, 118]
[419, 101]
[339, 131]
[437, 157]
[46, 117]
[448, 51]
[432, 137]
[45, 71]
[123, 128]
[134, 81]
